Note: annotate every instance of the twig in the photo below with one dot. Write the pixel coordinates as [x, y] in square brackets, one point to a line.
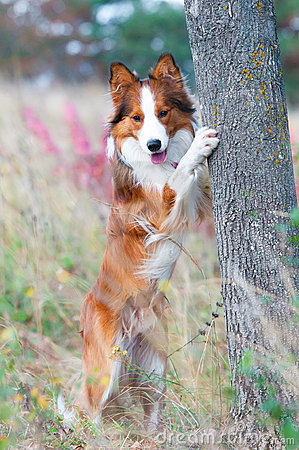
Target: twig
[212, 381]
[219, 375]
[185, 345]
[202, 331]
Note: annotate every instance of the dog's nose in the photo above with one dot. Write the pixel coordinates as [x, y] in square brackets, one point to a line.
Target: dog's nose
[154, 145]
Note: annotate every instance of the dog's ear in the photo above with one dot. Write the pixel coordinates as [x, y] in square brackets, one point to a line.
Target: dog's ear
[167, 69]
[120, 78]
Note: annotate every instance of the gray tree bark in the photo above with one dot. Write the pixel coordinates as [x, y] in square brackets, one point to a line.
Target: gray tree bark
[239, 82]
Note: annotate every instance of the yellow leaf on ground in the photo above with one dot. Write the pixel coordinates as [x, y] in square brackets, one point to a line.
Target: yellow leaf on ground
[18, 397]
[7, 334]
[42, 402]
[63, 276]
[30, 291]
[34, 392]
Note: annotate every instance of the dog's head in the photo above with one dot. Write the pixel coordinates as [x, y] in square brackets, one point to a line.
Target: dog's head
[150, 111]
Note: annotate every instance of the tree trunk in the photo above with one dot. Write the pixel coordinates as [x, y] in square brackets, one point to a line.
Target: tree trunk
[239, 81]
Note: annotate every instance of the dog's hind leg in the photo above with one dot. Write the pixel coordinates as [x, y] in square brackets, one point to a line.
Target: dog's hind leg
[99, 333]
[147, 376]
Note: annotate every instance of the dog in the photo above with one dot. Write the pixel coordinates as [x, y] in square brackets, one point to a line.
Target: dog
[157, 154]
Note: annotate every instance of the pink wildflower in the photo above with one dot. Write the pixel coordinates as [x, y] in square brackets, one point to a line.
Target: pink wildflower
[78, 134]
[36, 126]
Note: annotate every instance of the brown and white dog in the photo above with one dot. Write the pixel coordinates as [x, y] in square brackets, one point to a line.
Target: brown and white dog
[160, 185]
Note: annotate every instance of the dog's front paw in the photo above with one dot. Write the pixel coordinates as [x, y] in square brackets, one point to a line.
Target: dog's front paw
[202, 146]
[205, 142]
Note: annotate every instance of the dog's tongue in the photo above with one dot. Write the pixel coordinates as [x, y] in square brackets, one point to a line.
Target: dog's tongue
[158, 158]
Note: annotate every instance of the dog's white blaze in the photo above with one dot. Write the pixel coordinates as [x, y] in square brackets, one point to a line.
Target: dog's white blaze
[152, 128]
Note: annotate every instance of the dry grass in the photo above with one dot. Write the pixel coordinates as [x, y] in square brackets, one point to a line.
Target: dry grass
[52, 241]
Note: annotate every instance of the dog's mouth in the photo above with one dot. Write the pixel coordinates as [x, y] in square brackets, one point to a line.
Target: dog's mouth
[158, 158]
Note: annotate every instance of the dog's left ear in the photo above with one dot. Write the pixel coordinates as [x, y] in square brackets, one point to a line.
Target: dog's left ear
[167, 69]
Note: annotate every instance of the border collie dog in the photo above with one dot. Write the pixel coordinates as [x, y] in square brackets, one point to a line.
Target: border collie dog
[158, 158]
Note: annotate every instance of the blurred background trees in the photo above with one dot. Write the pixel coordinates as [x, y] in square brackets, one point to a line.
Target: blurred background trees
[44, 40]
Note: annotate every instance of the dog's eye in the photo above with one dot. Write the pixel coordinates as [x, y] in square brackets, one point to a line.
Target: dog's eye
[163, 113]
[136, 118]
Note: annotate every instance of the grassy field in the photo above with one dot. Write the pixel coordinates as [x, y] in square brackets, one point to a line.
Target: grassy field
[52, 231]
